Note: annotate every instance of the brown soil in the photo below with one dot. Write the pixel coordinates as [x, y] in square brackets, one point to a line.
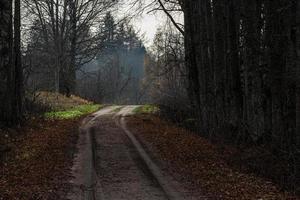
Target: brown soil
[199, 164]
[37, 159]
[122, 173]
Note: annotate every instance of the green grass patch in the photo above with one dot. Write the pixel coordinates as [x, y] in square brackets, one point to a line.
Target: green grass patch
[74, 112]
[146, 109]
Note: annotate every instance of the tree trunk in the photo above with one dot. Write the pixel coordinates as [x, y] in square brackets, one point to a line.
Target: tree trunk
[297, 51]
[71, 74]
[278, 50]
[18, 79]
[207, 70]
[6, 60]
[235, 96]
[57, 76]
[220, 66]
[10, 61]
[253, 98]
[190, 12]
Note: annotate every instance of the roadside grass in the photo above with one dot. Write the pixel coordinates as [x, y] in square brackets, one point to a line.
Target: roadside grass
[59, 102]
[36, 159]
[74, 112]
[146, 109]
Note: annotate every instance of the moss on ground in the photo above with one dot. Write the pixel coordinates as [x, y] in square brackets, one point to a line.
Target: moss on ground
[74, 112]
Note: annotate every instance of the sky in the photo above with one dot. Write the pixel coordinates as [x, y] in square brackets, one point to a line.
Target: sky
[146, 23]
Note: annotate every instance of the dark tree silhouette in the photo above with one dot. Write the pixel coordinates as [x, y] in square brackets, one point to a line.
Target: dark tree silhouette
[242, 59]
[10, 66]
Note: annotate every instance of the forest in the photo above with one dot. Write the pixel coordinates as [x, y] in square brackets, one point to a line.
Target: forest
[228, 71]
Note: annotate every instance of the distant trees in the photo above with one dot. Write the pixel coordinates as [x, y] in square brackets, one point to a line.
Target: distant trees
[11, 92]
[64, 29]
[165, 69]
[116, 73]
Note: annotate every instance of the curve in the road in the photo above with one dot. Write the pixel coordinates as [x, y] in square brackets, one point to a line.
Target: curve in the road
[87, 184]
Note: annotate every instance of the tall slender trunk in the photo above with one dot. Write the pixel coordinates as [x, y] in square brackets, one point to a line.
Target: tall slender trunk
[267, 81]
[11, 93]
[236, 100]
[220, 65]
[210, 67]
[71, 74]
[57, 76]
[297, 51]
[8, 60]
[190, 13]
[295, 36]
[10, 70]
[277, 62]
[253, 98]
[18, 64]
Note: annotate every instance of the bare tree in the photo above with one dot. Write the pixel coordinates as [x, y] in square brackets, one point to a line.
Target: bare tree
[67, 30]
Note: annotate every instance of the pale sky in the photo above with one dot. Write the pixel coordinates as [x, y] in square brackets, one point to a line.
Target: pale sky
[146, 23]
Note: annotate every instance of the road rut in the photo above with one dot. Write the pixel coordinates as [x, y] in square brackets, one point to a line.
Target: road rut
[109, 166]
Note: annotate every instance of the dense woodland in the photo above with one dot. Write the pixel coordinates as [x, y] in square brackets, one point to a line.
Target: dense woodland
[231, 69]
[242, 72]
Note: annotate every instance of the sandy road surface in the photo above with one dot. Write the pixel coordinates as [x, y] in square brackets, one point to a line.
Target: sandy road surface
[111, 164]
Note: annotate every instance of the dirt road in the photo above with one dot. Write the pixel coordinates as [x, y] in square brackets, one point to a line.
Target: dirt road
[111, 164]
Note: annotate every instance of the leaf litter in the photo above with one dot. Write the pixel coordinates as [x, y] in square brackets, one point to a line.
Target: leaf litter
[37, 164]
[199, 164]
